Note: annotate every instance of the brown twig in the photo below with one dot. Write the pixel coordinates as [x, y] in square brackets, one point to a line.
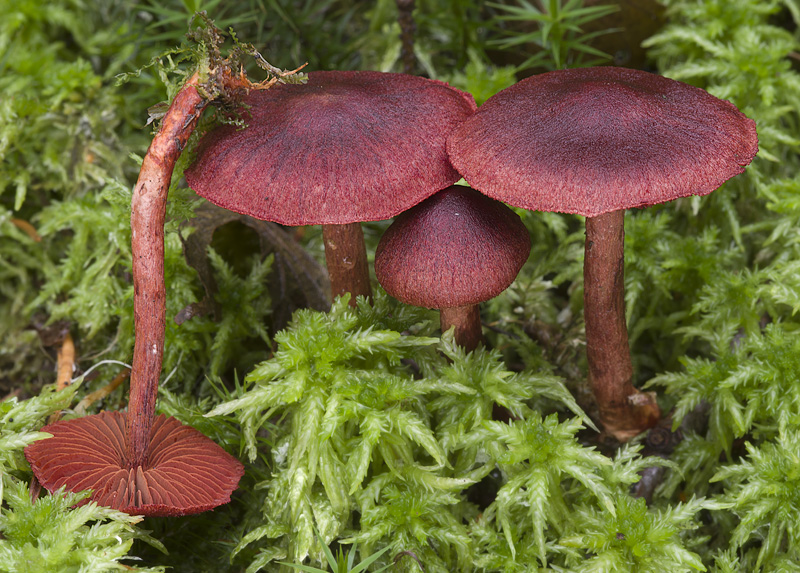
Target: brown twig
[66, 362]
[64, 369]
[27, 228]
[102, 393]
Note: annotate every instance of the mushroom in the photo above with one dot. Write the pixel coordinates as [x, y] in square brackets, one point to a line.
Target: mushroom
[138, 462]
[597, 141]
[185, 472]
[343, 148]
[451, 252]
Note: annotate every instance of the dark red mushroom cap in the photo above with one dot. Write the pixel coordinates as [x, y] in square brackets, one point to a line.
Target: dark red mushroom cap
[595, 140]
[185, 472]
[343, 148]
[456, 248]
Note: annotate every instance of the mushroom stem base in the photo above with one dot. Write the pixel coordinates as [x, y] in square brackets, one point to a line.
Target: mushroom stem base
[346, 257]
[624, 411]
[624, 421]
[467, 322]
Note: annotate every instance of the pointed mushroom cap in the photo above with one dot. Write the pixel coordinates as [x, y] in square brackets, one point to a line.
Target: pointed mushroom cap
[595, 140]
[185, 473]
[456, 248]
[343, 148]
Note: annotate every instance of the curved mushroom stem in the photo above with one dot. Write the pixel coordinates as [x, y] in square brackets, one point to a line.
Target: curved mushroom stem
[467, 320]
[346, 257]
[148, 210]
[624, 411]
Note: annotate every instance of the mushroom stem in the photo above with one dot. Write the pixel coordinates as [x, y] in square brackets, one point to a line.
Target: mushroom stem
[346, 257]
[467, 321]
[148, 211]
[624, 411]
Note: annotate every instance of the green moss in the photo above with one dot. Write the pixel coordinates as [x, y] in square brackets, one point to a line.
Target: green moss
[364, 422]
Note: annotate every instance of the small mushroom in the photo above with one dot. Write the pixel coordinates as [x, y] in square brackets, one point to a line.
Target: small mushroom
[343, 148]
[597, 141]
[453, 251]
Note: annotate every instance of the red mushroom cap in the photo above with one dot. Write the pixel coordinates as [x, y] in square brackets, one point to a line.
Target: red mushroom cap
[456, 248]
[185, 473]
[595, 140]
[343, 148]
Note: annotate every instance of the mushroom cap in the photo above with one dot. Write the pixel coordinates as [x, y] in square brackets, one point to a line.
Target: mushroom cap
[342, 148]
[456, 248]
[185, 473]
[595, 140]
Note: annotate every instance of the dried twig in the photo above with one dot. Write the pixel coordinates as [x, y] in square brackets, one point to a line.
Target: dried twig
[65, 367]
[27, 228]
[102, 393]
[66, 362]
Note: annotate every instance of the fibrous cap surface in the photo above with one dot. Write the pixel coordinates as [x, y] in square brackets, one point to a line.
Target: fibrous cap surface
[185, 473]
[595, 140]
[344, 147]
[456, 248]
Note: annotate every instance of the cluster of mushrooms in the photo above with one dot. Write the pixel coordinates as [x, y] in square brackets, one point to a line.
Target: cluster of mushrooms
[348, 147]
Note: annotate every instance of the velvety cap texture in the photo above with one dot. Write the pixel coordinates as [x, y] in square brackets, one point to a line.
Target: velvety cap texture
[185, 473]
[454, 249]
[344, 147]
[595, 140]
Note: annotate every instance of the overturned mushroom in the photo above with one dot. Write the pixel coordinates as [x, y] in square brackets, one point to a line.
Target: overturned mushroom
[121, 456]
[185, 472]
